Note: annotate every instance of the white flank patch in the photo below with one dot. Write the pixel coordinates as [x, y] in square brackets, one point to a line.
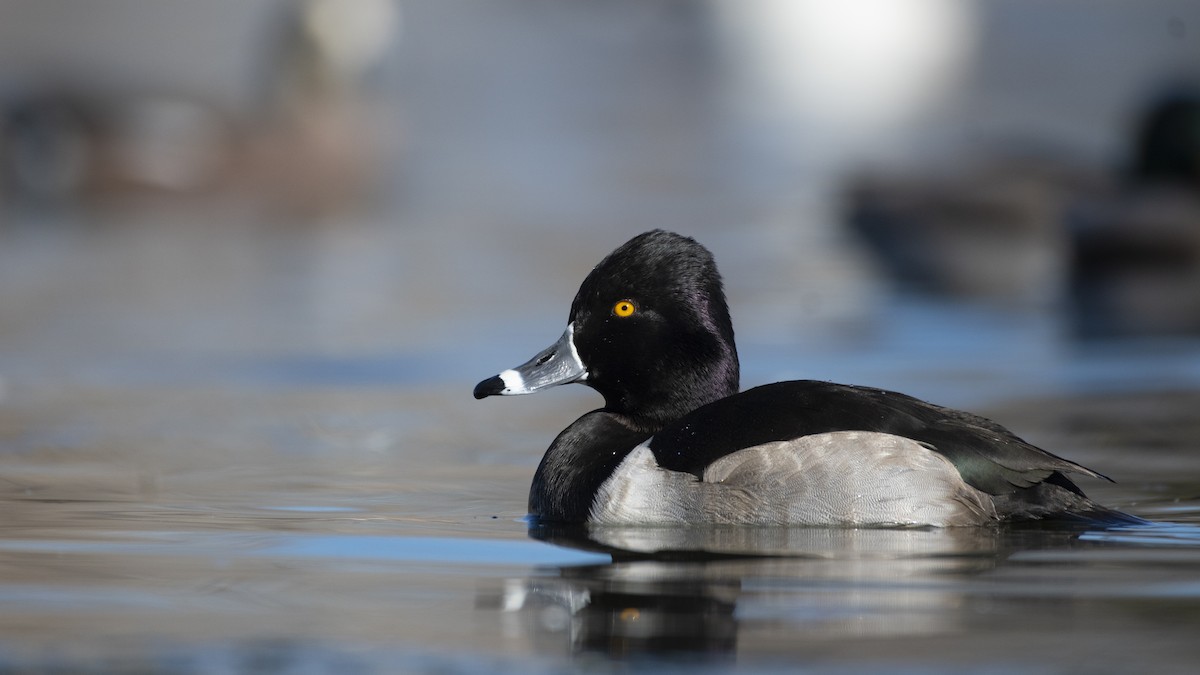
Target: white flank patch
[640, 491]
[838, 478]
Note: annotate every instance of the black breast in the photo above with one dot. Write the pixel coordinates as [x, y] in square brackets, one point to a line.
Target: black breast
[578, 462]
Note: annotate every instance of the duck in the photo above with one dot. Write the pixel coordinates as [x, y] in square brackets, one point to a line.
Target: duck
[677, 441]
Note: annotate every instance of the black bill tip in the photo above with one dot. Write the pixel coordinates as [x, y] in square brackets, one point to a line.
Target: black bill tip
[489, 387]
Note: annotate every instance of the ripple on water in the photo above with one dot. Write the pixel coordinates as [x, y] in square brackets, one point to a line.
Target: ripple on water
[314, 509]
[1150, 534]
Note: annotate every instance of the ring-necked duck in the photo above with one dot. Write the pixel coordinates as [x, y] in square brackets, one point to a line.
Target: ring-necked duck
[677, 443]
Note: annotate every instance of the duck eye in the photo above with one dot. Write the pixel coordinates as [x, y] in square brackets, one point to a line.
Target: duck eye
[623, 308]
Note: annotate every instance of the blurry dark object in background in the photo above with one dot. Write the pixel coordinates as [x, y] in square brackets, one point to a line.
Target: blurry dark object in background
[1168, 141]
[45, 147]
[83, 133]
[990, 231]
[1136, 264]
[1124, 256]
[1136, 268]
[62, 148]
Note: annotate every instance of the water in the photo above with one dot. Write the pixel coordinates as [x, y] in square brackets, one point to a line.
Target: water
[220, 491]
[235, 441]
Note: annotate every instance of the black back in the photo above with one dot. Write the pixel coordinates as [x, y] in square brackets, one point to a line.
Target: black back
[989, 457]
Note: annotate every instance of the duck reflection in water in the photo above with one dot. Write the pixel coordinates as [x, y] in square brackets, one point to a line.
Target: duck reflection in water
[695, 591]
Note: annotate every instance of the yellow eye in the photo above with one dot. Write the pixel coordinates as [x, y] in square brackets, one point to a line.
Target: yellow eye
[624, 308]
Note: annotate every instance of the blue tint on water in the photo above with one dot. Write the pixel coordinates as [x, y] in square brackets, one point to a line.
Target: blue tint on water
[296, 546]
[1149, 534]
[313, 509]
[429, 549]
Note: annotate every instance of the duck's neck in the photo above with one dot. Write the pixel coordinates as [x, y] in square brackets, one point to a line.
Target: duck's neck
[669, 398]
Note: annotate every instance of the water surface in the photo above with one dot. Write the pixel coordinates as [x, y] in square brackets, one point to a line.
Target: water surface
[234, 440]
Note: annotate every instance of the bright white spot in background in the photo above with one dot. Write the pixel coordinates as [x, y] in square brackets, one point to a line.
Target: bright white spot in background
[842, 73]
[353, 34]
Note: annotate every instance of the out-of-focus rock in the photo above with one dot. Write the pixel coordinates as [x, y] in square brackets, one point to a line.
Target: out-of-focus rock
[1121, 251]
[309, 144]
[990, 231]
[1136, 250]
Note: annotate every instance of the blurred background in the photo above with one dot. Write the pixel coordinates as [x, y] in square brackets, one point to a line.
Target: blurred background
[229, 201]
[419, 186]
[969, 201]
[254, 255]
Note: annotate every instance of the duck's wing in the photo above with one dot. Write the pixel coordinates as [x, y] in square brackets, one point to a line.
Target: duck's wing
[989, 457]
